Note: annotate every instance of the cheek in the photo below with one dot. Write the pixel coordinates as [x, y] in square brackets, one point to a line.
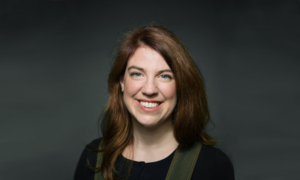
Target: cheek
[132, 87]
[169, 91]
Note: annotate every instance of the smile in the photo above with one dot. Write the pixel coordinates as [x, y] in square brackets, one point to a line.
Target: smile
[149, 104]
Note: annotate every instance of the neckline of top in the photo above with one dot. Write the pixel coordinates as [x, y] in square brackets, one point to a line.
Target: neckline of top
[156, 163]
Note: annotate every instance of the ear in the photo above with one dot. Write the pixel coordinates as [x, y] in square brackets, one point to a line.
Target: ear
[122, 83]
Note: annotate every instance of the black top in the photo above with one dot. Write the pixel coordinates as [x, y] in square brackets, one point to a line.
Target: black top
[212, 164]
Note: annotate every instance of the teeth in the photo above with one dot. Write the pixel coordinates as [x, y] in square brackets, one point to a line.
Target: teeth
[149, 105]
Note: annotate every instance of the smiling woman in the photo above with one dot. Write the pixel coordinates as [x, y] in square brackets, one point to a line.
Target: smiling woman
[154, 123]
[149, 89]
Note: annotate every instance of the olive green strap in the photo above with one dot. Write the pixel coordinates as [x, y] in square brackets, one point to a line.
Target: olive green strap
[184, 162]
[98, 174]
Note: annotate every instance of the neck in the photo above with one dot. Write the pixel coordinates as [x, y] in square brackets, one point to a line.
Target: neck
[152, 143]
[153, 136]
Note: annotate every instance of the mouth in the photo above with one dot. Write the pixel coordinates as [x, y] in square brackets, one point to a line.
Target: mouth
[149, 104]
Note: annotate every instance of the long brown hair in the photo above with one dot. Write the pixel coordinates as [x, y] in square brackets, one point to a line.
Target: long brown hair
[191, 113]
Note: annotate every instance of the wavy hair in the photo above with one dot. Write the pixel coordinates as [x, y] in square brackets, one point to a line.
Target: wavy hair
[191, 114]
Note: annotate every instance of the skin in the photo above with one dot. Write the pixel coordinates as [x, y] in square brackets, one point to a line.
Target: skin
[149, 78]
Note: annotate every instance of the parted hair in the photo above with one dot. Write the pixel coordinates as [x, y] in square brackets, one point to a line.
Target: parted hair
[191, 113]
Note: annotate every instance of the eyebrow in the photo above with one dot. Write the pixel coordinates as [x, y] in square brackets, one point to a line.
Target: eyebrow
[141, 69]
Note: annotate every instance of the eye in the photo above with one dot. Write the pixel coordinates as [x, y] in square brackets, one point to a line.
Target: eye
[165, 76]
[135, 74]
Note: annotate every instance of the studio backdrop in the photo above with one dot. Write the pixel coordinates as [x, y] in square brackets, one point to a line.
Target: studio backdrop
[55, 57]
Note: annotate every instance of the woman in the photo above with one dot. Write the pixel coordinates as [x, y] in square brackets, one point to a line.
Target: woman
[154, 123]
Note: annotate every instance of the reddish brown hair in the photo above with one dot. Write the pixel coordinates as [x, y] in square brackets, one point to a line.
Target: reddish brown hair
[191, 114]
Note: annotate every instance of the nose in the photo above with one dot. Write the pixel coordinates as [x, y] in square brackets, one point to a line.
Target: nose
[149, 87]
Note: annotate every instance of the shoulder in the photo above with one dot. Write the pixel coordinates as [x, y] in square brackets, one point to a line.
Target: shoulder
[88, 158]
[91, 154]
[213, 164]
[215, 155]
[94, 144]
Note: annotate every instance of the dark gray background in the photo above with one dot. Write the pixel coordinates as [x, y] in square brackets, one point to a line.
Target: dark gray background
[56, 55]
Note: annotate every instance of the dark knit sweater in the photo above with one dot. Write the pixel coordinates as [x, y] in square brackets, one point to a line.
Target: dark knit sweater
[212, 164]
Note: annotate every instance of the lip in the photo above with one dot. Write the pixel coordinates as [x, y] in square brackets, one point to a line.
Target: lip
[146, 100]
[149, 109]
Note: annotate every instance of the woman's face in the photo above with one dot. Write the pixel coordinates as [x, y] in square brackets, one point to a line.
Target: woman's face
[149, 87]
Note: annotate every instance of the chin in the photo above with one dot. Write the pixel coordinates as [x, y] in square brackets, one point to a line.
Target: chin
[149, 121]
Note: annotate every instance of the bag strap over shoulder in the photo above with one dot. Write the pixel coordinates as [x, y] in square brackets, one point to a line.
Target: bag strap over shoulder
[184, 162]
[182, 165]
[98, 174]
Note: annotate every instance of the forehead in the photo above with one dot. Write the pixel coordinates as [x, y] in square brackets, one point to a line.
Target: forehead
[148, 59]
